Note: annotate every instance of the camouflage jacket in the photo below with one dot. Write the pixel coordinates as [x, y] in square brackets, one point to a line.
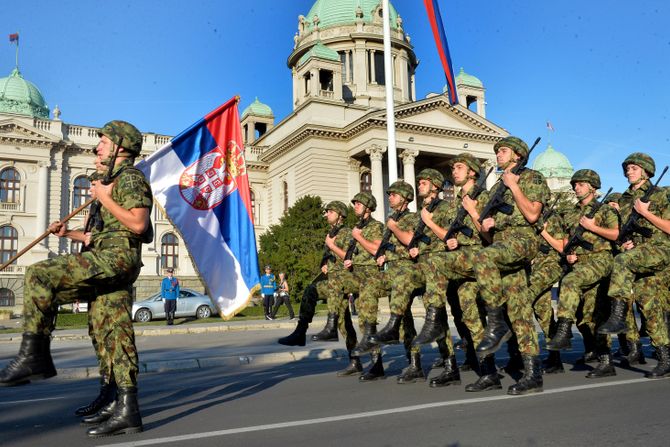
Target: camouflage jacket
[406, 223]
[371, 232]
[441, 217]
[556, 229]
[659, 205]
[335, 264]
[462, 239]
[606, 217]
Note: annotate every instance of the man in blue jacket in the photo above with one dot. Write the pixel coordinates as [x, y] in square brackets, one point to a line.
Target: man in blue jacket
[170, 295]
[268, 289]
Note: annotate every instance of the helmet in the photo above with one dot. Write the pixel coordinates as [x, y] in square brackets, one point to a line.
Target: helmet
[124, 135]
[366, 199]
[614, 197]
[433, 175]
[468, 160]
[403, 189]
[514, 143]
[586, 175]
[642, 160]
[337, 206]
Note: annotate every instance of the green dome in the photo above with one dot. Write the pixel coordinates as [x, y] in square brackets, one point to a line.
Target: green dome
[257, 108]
[343, 12]
[20, 96]
[320, 51]
[552, 163]
[463, 78]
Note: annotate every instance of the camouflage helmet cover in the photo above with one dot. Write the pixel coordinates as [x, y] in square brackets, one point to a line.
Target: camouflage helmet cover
[124, 135]
[614, 197]
[642, 160]
[402, 188]
[467, 159]
[367, 199]
[586, 175]
[514, 143]
[337, 206]
[433, 175]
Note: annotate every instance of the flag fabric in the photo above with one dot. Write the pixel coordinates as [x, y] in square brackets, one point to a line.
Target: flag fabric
[433, 10]
[14, 38]
[200, 180]
[549, 126]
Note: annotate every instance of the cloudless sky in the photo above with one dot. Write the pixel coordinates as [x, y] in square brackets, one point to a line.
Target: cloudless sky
[597, 70]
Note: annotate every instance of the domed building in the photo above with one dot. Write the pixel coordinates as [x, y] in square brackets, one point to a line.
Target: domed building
[556, 168]
[21, 97]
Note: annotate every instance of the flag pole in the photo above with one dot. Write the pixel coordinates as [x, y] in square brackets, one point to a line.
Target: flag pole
[388, 80]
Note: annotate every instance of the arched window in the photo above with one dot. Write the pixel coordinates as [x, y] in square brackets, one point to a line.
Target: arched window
[10, 182]
[9, 240]
[254, 212]
[6, 298]
[169, 251]
[366, 182]
[285, 189]
[81, 191]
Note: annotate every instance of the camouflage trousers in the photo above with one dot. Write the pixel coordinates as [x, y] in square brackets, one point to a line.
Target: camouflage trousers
[520, 311]
[370, 286]
[401, 280]
[647, 291]
[468, 291]
[107, 274]
[589, 271]
[545, 272]
[336, 290]
[644, 259]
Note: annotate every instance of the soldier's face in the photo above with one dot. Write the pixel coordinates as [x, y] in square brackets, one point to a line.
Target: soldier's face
[359, 208]
[504, 156]
[633, 173]
[395, 200]
[581, 189]
[104, 148]
[332, 217]
[460, 171]
[424, 187]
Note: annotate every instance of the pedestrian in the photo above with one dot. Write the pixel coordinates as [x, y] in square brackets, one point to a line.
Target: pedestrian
[170, 295]
[283, 297]
[108, 270]
[268, 289]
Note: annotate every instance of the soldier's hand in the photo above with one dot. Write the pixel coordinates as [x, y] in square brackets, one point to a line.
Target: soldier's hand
[324, 269]
[510, 180]
[426, 215]
[87, 239]
[587, 223]
[330, 242]
[100, 191]
[628, 245]
[469, 204]
[356, 233]
[392, 224]
[58, 228]
[641, 207]
[348, 263]
[488, 224]
[414, 252]
[381, 261]
[452, 244]
[571, 258]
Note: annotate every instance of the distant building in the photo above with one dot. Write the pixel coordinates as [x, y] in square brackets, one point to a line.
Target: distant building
[556, 168]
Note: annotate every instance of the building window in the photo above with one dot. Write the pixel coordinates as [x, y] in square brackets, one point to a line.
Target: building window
[379, 76]
[9, 241]
[10, 182]
[366, 182]
[6, 298]
[81, 191]
[169, 251]
[254, 212]
[285, 192]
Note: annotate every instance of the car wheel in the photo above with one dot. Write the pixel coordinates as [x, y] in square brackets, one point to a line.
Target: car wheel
[203, 312]
[143, 316]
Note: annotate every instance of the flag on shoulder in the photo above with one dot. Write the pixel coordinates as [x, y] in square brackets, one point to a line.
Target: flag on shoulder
[200, 180]
[435, 18]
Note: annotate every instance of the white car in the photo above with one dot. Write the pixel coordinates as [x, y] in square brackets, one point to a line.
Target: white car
[189, 304]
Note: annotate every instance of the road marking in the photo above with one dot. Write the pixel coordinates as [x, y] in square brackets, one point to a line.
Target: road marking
[31, 400]
[366, 414]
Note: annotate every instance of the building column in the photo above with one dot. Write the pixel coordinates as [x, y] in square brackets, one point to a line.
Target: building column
[376, 155]
[42, 221]
[491, 180]
[373, 79]
[408, 157]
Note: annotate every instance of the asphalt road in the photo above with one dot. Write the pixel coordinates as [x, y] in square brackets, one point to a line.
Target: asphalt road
[302, 403]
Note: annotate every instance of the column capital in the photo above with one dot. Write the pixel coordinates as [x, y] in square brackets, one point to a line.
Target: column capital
[408, 156]
[375, 152]
[354, 165]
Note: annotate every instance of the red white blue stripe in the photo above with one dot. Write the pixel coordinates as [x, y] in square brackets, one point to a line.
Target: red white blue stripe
[219, 233]
[433, 10]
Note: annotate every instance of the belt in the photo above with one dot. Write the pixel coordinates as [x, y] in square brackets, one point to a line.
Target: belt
[118, 242]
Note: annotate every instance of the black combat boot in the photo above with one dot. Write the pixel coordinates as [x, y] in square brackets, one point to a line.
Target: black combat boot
[329, 332]
[553, 364]
[413, 372]
[106, 395]
[442, 347]
[635, 355]
[297, 337]
[390, 334]
[354, 367]
[662, 369]
[101, 416]
[496, 332]
[616, 324]
[561, 339]
[623, 346]
[126, 418]
[365, 346]
[471, 363]
[531, 382]
[604, 368]
[376, 370]
[515, 364]
[434, 326]
[32, 362]
[590, 355]
[450, 375]
[488, 379]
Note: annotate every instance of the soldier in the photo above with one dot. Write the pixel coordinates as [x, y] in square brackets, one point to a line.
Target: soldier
[399, 279]
[590, 263]
[645, 252]
[108, 270]
[514, 244]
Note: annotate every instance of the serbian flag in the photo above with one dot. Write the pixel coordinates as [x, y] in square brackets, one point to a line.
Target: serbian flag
[14, 38]
[200, 180]
[433, 10]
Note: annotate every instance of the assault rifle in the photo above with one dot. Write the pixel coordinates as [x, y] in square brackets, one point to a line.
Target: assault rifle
[351, 249]
[458, 225]
[546, 215]
[386, 237]
[632, 225]
[577, 238]
[420, 230]
[327, 254]
[94, 216]
[496, 202]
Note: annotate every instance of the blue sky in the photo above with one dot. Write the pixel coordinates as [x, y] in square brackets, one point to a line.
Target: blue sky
[597, 70]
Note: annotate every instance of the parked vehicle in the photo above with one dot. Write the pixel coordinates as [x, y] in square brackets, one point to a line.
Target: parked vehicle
[189, 304]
